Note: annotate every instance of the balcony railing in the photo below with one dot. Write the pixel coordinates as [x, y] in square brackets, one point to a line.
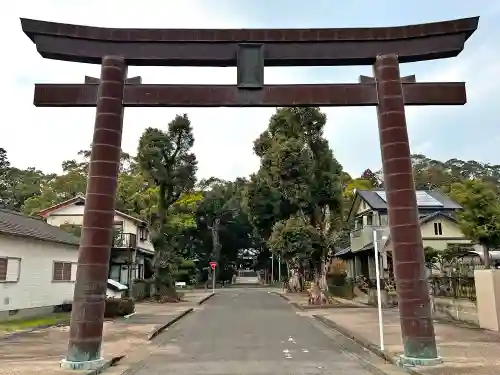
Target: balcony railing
[124, 241]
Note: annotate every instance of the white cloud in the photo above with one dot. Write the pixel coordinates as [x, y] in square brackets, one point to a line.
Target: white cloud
[43, 137]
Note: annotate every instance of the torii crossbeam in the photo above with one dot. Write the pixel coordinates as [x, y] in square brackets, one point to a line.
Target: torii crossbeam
[250, 50]
[324, 95]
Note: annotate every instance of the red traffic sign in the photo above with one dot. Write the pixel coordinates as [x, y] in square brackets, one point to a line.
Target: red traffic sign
[213, 265]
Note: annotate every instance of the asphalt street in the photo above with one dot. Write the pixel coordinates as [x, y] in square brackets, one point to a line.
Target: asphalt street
[250, 332]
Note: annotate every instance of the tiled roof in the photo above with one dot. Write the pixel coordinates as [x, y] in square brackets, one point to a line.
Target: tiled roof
[17, 224]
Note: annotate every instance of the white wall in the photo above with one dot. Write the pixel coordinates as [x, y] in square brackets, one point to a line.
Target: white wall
[35, 287]
[73, 214]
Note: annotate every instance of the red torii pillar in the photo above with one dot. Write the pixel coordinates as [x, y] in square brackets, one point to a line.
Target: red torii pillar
[87, 314]
[417, 326]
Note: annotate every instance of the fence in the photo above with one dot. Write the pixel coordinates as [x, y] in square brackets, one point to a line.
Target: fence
[453, 287]
[439, 286]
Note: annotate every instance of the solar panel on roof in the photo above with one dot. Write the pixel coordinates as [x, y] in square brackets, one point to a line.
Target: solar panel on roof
[427, 200]
[424, 199]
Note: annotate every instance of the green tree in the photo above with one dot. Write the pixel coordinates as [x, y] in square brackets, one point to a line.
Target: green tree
[299, 244]
[223, 225]
[165, 158]
[441, 259]
[480, 217]
[370, 176]
[298, 178]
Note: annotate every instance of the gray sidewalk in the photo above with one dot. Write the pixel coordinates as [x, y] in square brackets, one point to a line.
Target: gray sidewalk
[464, 350]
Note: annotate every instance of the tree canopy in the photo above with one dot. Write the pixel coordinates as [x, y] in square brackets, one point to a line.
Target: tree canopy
[295, 198]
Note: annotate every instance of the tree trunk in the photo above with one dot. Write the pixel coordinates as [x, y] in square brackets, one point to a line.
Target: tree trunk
[487, 260]
[323, 284]
[294, 280]
[302, 280]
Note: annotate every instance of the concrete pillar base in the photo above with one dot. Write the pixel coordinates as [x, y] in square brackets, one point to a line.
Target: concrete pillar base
[84, 365]
[408, 361]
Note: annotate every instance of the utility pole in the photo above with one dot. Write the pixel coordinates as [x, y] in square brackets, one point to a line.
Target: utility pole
[215, 246]
[279, 268]
[272, 268]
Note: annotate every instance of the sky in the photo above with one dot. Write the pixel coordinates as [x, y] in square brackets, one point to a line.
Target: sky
[44, 137]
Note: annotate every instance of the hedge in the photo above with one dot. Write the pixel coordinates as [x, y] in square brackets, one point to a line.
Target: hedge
[119, 307]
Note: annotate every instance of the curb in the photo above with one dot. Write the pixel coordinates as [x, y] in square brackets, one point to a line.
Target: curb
[286, 298]
[161, 328]
[385, 355]
[107, 364]
[204, 299]
[282, 295]
[178, 317]
[308, 307]
[354, 305]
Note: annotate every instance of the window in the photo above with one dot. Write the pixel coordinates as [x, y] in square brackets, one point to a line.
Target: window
[383, 219]
[140, 272]
[438, 229]
[63, 271]
[10, 269]
[369, 219]
[3, 268]
[358, 224]
[143, 233]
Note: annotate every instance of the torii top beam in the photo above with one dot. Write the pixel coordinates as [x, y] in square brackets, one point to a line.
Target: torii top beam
[218, 47]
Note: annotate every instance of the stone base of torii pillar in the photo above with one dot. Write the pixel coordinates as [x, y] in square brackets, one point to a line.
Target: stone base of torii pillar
[84, 365]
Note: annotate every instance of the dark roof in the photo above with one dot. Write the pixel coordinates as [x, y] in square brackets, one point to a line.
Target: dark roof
[342, 252]
[373, 199]
[429, 217]
[16, 224]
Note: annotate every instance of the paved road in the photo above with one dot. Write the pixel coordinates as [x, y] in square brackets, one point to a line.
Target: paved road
[248, 332]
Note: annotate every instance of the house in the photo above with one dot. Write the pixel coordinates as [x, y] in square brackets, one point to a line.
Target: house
[368, 212]
[131, 252]
[37, 266]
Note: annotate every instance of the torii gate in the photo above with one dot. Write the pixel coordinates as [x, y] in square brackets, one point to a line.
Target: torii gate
[249, 50]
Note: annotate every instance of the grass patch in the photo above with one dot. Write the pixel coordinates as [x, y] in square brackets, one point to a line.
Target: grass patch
[27, 323]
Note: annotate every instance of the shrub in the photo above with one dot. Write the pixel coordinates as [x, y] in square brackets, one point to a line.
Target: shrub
[337, 279]
[344, 291]
[64, 307]
[119, 307]
[339, 285]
